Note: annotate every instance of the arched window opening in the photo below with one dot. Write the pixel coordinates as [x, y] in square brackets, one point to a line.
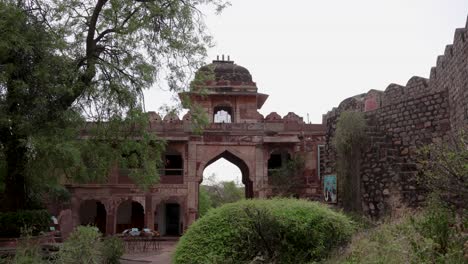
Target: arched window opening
[130, 214]
[93, 213]
[173, 168]
[173, 164]
[277, 160]
[223, 114]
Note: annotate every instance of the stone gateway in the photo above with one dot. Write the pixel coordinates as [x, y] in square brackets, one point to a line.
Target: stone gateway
[237, 132]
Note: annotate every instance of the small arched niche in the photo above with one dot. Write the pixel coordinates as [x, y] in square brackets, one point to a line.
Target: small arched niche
[223, 114]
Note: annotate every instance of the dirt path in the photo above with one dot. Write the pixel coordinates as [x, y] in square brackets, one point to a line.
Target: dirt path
[163, 256]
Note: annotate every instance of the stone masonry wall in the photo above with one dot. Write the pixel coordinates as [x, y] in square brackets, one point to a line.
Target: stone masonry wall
[400, 120]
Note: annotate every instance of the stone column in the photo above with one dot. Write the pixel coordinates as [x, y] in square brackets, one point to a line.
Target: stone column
[110, 218]
[192, 202]
[259, 176]
[191, 208]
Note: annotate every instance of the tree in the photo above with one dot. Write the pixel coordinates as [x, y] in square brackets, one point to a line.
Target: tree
[204, 201]
[348, 142]
[444, 167]
[66, 62]
[219, 192]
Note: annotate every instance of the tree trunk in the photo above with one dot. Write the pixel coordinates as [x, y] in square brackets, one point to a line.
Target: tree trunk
[15, 181]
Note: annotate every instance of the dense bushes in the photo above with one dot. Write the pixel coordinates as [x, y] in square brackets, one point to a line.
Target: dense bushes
[430, 236]
[85, 246]
[11, 223]
[271, 231]
[113, 249]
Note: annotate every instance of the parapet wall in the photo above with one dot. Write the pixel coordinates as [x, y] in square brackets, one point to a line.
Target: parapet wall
[400, 120]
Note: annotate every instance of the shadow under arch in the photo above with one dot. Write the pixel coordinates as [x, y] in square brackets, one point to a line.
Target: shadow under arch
[244, 168]
[129, 214]
[93, 212]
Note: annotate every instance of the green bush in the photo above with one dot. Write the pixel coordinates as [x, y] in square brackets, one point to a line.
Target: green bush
[113, 249]
[11, 223]
[84, 246]
[420, 237]
[271, 231]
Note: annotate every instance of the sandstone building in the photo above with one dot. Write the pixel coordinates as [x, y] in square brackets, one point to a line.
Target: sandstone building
[399, 120]
[237, 132]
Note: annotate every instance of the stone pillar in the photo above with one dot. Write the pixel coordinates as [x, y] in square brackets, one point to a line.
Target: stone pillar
[149, 212]
[191, 177]
[110, 218]
[259, 176]
[192, 202]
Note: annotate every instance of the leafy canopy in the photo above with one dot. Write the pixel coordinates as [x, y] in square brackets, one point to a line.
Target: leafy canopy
[64, 64]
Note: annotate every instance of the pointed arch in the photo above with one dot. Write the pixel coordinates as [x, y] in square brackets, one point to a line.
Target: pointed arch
[240, 163]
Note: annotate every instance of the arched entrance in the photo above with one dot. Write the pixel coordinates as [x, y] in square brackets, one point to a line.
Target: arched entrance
[244, 170]
[168, 218]
[93, 212]
[130, 214]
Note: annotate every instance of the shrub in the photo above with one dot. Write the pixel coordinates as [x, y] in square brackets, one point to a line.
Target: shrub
[445, 169]
[28, 250]
[112, 250]
[349, 140]
[422, 237]
[390, 242]
[273, 231]
[84, 246]
[11, 223]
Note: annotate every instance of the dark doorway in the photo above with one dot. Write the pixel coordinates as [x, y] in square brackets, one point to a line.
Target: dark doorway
[93, 213]
[138, 215]
[130, 214]
[172, 219]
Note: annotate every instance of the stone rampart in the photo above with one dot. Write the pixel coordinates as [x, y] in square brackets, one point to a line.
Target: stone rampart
[400, 120]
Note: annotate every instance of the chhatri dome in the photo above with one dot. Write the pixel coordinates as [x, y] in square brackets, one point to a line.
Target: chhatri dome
[227, 70]
[224, 74]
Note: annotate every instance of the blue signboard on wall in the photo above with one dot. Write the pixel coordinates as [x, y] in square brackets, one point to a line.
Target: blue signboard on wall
[329, 188]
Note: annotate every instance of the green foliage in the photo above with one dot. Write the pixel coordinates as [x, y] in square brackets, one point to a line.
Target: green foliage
[113, 249]
[348, 141]
[28, 251]
[204, 201]
[84, 246]
[67, 62]
[445, 169]
[268, 231]
[439, 225]
[425, 237]
[286, 179]
[230, 193]
[223, 193]
[11, 223]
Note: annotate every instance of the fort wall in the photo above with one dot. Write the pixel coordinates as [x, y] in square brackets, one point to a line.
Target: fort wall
[400, 120]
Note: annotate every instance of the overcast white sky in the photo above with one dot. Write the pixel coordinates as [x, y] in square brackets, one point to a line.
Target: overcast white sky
[310, 55]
